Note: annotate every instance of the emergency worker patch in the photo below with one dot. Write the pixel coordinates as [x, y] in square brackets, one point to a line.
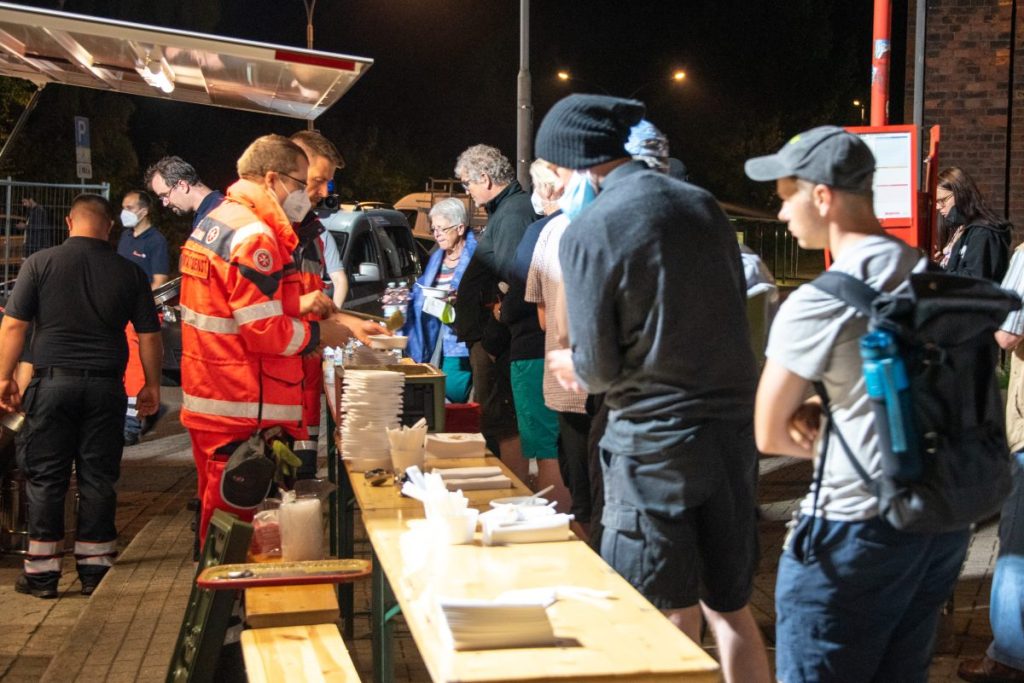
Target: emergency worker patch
[196, 265]
[264, 260]
[212, 235]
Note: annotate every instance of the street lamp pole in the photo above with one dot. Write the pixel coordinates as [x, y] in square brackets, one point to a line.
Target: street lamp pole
[524, 101]
[310, 7]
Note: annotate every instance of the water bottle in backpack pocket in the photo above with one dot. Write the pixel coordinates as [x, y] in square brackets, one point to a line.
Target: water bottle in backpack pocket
[888, 387]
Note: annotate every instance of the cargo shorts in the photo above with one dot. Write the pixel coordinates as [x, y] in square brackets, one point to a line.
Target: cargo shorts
[680, 524]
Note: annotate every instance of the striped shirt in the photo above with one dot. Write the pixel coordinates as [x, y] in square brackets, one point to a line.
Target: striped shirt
[1014, 281]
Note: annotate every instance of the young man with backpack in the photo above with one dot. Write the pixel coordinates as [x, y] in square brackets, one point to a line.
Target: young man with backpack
[856, 597]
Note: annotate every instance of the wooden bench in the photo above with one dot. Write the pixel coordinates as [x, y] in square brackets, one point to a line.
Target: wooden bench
[297, 653]
[291, 605]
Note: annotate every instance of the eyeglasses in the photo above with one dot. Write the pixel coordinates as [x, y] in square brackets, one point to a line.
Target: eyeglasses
[941, 202]
[165, 196]
[467, 183]
[437, 230]
[300, 182]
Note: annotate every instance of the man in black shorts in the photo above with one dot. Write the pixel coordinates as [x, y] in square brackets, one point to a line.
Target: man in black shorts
[79, 297]
[656, 300]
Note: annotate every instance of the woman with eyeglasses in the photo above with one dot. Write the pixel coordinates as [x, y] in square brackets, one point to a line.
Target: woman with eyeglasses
[978, 243]
[428, 325]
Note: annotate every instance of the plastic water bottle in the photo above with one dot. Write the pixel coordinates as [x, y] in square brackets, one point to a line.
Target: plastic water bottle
[888, 387]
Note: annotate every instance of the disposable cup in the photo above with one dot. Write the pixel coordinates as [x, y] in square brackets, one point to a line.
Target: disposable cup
[402, 458]
[457, 528]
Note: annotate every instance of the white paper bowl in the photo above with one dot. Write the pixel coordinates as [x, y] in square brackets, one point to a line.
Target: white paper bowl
[383, 341]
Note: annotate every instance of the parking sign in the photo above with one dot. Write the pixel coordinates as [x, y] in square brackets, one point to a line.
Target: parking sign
[83, 150]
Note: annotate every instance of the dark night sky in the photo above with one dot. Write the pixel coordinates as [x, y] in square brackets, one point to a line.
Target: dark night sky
[445, 74]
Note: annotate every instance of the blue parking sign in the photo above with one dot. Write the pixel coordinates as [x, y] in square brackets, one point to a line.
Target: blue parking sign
[82, 132]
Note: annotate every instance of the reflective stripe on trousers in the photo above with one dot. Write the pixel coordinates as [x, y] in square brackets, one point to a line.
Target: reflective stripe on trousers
[43, 556]
[95, 554]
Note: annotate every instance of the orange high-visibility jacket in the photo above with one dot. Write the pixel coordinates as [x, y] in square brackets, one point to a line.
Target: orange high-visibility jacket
[242, 337]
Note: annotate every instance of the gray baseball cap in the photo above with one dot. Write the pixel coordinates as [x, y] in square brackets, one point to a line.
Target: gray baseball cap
[828, 155]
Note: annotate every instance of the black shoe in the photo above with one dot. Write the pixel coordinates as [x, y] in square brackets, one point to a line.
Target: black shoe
[46, 590]
[131, 438]
[90, 582]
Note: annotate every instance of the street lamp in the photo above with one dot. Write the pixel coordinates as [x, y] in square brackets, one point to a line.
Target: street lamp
[310, 7]
[860, 106]
[677, 76]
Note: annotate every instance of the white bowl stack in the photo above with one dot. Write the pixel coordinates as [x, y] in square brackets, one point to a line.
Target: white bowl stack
[371, 403]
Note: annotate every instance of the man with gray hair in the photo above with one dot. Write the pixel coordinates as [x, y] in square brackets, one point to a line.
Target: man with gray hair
[487, 176]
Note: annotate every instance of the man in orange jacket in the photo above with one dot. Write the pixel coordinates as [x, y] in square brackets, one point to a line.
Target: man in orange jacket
[244, 330]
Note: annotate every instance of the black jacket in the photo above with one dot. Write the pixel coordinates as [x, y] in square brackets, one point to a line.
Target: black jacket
[509, 214]
[983, 250]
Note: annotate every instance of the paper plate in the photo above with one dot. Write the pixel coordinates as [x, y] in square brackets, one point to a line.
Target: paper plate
[518, 500]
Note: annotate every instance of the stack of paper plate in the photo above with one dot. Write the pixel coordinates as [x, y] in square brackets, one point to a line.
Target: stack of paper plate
[371, 403]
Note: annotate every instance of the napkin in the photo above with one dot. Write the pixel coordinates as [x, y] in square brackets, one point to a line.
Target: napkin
[498, 623]
[467, 472]
[536, 530]
[455, 445]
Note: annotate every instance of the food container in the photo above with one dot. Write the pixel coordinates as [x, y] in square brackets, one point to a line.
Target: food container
[302, 532]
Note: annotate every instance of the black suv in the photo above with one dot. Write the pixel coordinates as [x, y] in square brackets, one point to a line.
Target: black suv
[377, 248]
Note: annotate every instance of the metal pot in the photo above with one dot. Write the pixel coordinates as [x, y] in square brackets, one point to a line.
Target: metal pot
[167, 294]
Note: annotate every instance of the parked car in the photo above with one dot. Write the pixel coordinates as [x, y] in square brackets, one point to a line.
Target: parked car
[377, 248]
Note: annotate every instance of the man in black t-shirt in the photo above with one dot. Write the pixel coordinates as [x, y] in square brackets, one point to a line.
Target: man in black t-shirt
[78, 297]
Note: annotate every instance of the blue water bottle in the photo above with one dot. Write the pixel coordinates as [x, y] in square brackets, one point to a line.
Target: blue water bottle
[888, 387]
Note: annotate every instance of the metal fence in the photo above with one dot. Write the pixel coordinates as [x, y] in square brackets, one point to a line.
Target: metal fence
[24, 230]
[790, 264]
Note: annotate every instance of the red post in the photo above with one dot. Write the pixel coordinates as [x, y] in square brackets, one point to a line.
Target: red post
[880, 63]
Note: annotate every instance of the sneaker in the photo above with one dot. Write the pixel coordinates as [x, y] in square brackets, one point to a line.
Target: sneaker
[46, 590]
[131, 438]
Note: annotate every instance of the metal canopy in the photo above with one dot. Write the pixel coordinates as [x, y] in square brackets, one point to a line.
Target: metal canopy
[44, 46]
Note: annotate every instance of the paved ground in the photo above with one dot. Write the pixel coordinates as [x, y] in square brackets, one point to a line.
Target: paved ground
[158, 479]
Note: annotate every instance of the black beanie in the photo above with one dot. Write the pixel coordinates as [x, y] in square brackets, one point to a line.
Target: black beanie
[582, 131]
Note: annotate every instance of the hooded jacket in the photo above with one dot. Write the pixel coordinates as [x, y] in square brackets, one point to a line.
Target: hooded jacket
[982, 251]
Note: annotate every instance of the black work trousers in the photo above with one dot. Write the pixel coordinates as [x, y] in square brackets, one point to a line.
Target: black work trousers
[72, 421]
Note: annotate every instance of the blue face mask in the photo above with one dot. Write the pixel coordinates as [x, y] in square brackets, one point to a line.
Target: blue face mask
[578, 193]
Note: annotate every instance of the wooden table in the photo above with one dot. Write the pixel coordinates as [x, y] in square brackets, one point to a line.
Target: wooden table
[625, 638]
[353, 490]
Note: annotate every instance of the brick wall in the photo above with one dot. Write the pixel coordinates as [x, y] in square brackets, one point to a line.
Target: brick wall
[967, 83]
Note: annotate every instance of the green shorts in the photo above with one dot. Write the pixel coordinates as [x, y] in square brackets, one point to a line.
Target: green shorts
[538, 424]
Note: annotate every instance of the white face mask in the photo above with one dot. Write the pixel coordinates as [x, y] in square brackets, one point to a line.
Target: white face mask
[296, 205]
[129, 219]
[538, 203]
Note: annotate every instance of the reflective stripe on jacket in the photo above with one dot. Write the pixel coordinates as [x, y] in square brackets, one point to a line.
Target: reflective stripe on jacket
[242, 337]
